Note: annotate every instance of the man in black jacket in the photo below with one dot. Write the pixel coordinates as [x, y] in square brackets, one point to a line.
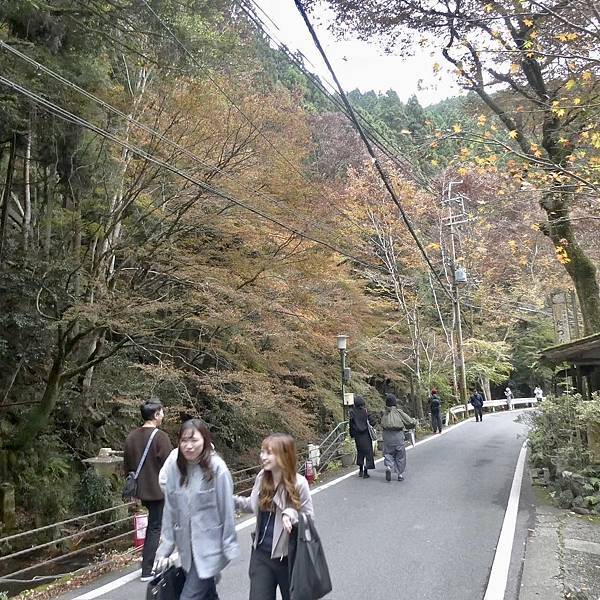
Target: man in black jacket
[477, 404]
[435, 407]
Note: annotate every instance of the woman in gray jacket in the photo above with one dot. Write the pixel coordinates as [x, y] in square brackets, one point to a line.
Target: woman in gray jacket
[198, 517]
[278, 496]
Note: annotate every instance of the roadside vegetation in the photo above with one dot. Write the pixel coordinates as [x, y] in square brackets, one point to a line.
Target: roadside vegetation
[565, 451]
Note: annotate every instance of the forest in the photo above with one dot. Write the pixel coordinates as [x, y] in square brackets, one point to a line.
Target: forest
[188, 213]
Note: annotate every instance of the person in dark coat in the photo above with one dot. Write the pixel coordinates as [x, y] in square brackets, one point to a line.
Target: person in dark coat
[477, 404]
[359, 430]
[435, 407]
[148, 490]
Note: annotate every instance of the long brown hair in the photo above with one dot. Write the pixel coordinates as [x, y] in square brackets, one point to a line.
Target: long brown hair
[283, 447]
[189, 427]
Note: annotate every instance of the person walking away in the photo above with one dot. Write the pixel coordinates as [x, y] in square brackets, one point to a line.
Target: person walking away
[358, 420]
[278, 496]
[509, 398]
[394, 422]
[538, 393]
[148, 489]
[435, 408]
[477, 404]
[198, 518]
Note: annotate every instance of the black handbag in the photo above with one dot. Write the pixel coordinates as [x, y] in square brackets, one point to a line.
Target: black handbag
[310, 578]
[130, 488]
[168, 585]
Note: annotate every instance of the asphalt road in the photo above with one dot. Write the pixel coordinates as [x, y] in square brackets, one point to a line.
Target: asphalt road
[432, 536]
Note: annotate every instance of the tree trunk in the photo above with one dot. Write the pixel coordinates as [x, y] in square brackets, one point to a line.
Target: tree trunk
[487, 392]
[27, 190]
[577, 264]
[49, 200]
[36, 420]
[10, 169]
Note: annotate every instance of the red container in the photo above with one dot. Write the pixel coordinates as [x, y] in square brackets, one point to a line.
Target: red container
[309, 471]
[140, 523]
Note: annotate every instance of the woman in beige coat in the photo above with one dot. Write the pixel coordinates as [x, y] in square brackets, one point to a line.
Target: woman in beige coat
[278, 496]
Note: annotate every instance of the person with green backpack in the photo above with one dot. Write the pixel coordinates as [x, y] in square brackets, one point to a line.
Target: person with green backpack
[393, 424]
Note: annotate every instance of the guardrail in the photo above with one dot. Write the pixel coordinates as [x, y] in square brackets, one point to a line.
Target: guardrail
[455, 411]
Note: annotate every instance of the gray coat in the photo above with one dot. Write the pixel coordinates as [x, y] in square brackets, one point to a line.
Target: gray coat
[281, 537]
[198, 518]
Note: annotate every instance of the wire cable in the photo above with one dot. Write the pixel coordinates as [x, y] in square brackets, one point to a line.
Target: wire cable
[72, 118]
[383, 174]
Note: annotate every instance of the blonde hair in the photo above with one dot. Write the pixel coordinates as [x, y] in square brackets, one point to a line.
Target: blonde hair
[283, 447]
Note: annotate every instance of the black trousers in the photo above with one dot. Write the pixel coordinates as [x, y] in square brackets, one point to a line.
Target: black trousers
[364, 450]
[155, 511]
[478, 413]
[266, 574]
[436, 421]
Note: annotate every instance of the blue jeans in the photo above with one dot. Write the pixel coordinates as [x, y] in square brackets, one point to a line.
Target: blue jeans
[198, 589]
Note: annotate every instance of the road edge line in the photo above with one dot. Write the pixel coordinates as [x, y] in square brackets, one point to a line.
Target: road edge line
[498, 579]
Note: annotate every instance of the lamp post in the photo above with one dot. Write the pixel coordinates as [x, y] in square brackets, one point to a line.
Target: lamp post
[341, 344]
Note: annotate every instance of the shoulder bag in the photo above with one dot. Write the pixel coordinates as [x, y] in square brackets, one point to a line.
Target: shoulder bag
[130, 488]
[309, 579]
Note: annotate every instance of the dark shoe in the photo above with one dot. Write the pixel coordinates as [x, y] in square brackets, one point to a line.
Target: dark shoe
[360, 471]
[388, 474]
[400, 477]
[366, 475]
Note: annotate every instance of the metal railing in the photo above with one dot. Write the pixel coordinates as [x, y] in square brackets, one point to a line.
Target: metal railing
[80, 534]
[331, 444]
[460, 409]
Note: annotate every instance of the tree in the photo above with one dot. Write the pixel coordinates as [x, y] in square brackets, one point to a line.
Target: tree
[534, 68]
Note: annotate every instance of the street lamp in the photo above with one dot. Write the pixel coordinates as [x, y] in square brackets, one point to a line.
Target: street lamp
[341, 344]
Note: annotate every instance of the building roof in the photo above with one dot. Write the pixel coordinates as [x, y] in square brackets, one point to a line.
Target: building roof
[585, 351]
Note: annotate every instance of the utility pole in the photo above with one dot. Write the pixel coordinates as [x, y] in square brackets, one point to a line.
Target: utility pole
[458, 276]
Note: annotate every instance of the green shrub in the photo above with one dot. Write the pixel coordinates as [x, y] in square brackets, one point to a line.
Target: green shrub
[44, 478]
[558, 433]
[93, 493]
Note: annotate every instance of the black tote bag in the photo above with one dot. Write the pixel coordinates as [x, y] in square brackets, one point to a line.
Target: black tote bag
[168, 585]
[310, 578]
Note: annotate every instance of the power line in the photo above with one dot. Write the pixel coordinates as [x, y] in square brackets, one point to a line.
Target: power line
[146, 128]
[279, 153]
[378, 138]
[378, 166]
[72, 118]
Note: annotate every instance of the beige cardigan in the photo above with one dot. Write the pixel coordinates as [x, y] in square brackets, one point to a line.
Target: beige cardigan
[282, 507]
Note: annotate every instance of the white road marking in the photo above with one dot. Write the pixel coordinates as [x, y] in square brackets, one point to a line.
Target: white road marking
[121, 581]
[109, 587]
[496, 587]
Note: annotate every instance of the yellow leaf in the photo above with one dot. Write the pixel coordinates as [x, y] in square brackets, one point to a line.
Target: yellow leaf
[434, 162]
[570, 84]
[513, 135]
[586, 75]
[514, 68]
[456, 128]
[576, 101]
[481, 120]
[436, 67]
[488, 8]
[462, 171]
[528, 22]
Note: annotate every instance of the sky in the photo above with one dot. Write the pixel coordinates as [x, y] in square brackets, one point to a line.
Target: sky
[359, 64]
